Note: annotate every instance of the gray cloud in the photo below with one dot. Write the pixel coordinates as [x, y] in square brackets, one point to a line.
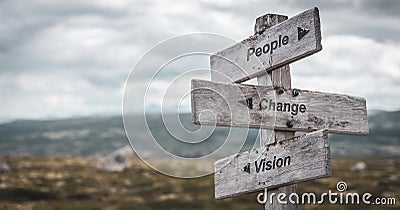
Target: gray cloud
[69, 58]
[367, 18]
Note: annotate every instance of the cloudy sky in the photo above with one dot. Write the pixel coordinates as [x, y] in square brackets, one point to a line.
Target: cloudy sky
[72, 58]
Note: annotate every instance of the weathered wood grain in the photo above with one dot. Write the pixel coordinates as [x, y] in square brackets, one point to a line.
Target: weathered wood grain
[237, 105]
[293, 160]
[279, 78]
[267, 21]
[239, 62]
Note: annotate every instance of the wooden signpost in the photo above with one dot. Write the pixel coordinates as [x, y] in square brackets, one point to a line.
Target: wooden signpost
[264, 107]
[289, 161]
[275, 107]
[292, 40]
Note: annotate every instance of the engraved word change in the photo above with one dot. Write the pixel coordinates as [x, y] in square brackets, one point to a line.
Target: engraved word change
[269, 104]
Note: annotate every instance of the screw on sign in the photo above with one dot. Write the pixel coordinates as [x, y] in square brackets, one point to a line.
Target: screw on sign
[274, 107]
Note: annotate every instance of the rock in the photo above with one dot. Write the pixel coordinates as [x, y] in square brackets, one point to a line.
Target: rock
[117, 161]
[4, 168]
[359, 166]
[393, 177]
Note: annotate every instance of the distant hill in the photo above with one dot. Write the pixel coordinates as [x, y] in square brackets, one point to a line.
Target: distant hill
[71, 137]
[91, 136]
[383, 138]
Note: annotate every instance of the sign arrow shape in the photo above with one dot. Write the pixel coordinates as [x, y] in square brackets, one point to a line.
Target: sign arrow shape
[291, 110]
[293, 160]
[301, 32]
[275, 47]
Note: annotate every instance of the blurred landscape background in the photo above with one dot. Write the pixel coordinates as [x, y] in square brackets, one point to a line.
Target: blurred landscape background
[97, 136]
[87, 163]
[63, 71]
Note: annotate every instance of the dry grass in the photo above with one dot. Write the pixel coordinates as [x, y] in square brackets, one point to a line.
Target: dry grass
[76, 183]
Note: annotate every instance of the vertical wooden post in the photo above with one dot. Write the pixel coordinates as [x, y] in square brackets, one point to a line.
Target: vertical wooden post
[279, 78]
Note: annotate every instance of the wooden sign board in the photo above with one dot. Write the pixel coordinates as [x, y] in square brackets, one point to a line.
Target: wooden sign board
[286, 162]
[289, 41]
[236, 105]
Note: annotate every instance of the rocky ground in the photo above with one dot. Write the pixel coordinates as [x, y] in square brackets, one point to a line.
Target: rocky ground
[77, 183]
